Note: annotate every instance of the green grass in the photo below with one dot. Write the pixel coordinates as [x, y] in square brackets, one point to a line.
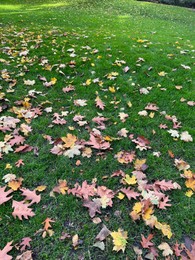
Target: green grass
[116, 29]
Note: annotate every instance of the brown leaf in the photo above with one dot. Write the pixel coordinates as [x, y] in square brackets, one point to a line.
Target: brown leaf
[27, 255]
[93, 206]
[102, 235]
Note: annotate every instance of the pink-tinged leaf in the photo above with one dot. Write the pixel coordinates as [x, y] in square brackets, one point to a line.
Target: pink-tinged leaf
[176, 125]
[31, 195]
[126, 69]
[78, 118]
[163, 204]
[166, 185]
[84, 191]
[19, 163]
[146, 243]
[118, 173]
[99, 120]
[97, 142]
[103, 234]
[93, 206]
[23, 149]
[68, 89]
[99, 103]
[18, 139]
[25, 243]
[142, 143]
[154, 252]
[130, 193]
[177, 250]
[191, 251]
[152, 107]
[163, 126]
[125, 157]
[4, 194]
[21, 210]
[57, 150]
[5, 250]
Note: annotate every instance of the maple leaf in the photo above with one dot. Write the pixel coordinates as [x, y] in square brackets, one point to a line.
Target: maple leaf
[166, 230]
[99, 103]
[21, 210]
[4, 194]
[5, 250]
[130, 180]
[185, 136]
[68, 89]
[47, 222]
[125, 157]
[73, 151]
[181, 165]
[146, 241]
[123, 132]
[103, 234]
[61, 187]
[174, 133]
[119, 240]
[69, 140]
[80, 102]
[152, 107]
[25, 243]
[93, 206]
[166, 249]
[97, 142]
[9, 177]
[142, 143]
[15, 184]
[29, 82]
[31, 195]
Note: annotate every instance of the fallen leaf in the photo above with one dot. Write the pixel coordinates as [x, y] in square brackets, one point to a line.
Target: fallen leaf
[119, 240]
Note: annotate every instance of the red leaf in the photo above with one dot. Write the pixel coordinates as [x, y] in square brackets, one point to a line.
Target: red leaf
[163, 204]
[4, 194]
[97, 142]
[146, 241]
[5, 250]
[177, 250]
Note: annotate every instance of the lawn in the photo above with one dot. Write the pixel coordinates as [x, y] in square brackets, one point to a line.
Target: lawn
[96, 130]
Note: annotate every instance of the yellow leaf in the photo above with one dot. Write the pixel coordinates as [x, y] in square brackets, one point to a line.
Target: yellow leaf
[189, 193]
[129, 104]
[130, 180]
[152, 114]
[69, 140]
[112, 89]
[148, 213]
[137, 207]
[119, 240]
[166, 230]
[53, 81]
[120, 196]
[190, 183]
[162, 74]
[8, 166]
[88, 82]
[15, 184]
[41, 188]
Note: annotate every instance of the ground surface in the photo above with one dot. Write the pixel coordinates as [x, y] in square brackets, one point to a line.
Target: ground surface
[88, 89]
